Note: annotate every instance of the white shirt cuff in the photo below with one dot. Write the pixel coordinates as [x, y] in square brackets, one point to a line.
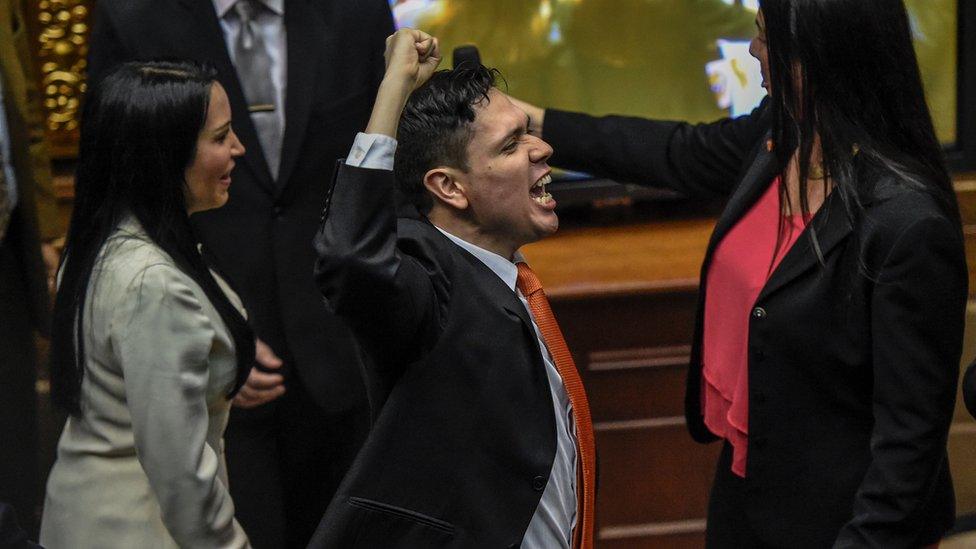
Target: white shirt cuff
[373, 151]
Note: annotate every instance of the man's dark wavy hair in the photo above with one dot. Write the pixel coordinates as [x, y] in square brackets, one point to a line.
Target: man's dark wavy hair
[435, 127]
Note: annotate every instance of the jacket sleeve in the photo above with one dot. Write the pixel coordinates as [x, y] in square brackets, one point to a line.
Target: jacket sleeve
[163, 339]
[700, 160]
[388, 297]
[917, 316]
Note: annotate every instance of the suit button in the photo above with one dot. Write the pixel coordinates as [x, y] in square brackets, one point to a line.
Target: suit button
[539, 483]
[759, 354]
[278, 211]
[760, 442]
[759, 313]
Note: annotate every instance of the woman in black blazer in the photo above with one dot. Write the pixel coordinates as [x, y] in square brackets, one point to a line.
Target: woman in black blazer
[850, 345]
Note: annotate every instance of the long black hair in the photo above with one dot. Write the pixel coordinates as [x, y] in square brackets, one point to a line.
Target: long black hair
[139, 132]
[846, 71]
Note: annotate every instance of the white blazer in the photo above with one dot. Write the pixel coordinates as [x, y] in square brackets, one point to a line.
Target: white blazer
[143, 466]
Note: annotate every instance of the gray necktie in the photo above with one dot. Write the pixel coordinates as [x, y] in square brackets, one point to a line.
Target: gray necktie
[254, 70]
[5, 205]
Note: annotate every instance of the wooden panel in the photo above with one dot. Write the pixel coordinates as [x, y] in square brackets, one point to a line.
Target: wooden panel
[672, 541]
[642, 321]
[632, 351]
[962, 435]
[965, 186]
[962, 460]
[969, 231]
[637, 389]
[621, 260]
[652, 472]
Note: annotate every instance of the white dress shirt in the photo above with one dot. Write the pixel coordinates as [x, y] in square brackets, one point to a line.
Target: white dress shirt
[555, 517]
[272, 29]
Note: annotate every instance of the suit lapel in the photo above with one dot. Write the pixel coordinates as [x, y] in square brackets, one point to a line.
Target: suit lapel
[203, 29]
[512, 304]
[497, 290]
[305, 33]
[832, 226]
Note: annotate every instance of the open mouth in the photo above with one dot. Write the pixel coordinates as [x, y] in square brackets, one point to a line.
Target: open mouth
[538, 191]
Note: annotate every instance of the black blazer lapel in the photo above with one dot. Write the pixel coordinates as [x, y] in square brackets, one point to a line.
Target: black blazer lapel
[832, 226]
[500, 293]
[307, 38]
[512, 304]
[203, 29]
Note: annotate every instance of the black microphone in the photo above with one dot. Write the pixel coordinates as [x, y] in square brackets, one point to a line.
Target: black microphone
[467, 54]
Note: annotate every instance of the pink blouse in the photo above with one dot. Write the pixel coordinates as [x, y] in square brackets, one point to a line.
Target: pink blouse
[741, 265]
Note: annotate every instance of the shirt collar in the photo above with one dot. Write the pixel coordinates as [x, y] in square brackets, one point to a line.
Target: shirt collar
[224, 6]
[503, 268]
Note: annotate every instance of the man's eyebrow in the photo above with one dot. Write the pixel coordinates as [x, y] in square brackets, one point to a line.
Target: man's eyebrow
[516, 132]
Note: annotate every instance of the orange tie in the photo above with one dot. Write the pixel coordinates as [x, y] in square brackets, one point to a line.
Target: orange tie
[531, 288]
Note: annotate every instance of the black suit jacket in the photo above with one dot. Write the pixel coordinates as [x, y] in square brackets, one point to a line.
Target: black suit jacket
[12, 536]
[463, 437]
[853, 363]
[262, 238]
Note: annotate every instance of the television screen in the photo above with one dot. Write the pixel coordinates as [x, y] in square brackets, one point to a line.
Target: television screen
[675, 59]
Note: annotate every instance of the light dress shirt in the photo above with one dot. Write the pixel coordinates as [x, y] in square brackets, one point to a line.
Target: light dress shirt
[272, 29]
[555, 517]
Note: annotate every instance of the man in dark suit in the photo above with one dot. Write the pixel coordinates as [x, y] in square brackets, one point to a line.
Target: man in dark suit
[300, 75]
[482, 434]
[28, 216]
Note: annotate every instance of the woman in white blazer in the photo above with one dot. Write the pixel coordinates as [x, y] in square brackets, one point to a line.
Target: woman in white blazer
[149, 345]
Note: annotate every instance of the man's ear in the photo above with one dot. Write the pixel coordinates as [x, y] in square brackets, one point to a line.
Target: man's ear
[447, 185]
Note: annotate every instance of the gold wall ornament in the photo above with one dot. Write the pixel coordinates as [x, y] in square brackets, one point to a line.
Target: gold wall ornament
[60, 30]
